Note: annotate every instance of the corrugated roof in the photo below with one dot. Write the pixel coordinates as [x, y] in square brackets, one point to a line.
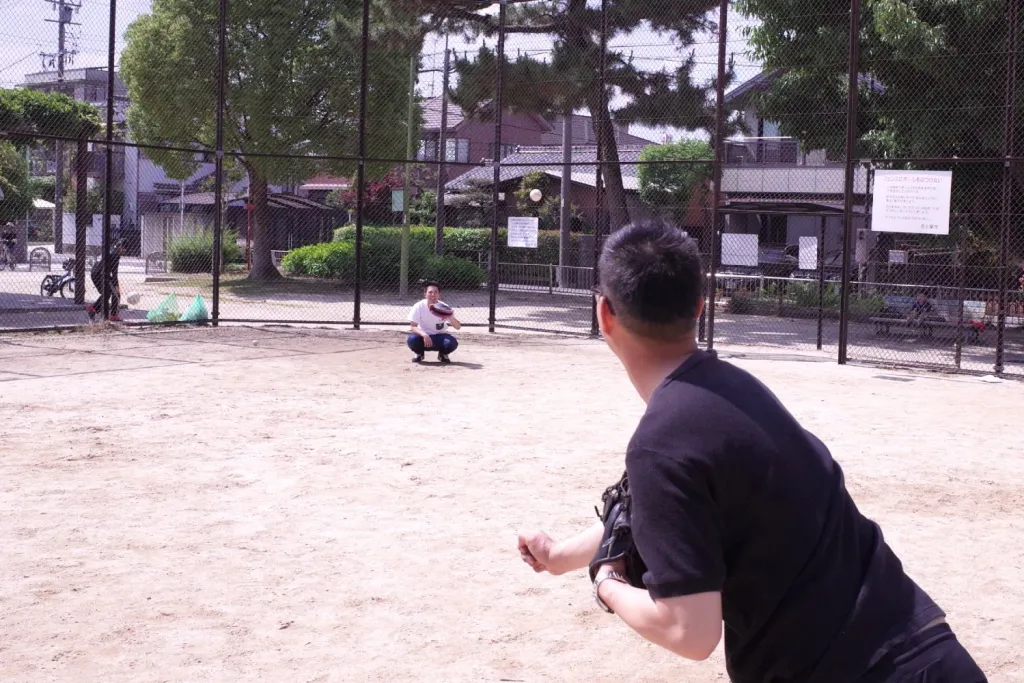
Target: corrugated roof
[549, 160]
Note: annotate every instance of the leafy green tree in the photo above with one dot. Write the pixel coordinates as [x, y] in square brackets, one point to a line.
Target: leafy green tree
[28, 111]
[14, 183]
[568, 79]
[42, 187]
[926, 88]
[671, 185]
[292, 89]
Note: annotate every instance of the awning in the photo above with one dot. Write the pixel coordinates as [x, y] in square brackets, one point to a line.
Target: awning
[43, 204]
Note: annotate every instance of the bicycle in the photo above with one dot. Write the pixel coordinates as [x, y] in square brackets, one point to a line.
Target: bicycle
[65, 284]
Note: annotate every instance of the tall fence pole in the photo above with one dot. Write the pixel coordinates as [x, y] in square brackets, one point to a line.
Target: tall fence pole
[82, 156]
[1009, 150]
[851, 141]
[821, 279]
[108, 175]
[442, 157]
[218, 187]
[716, 171]
[364, 59]
[961, 250]
[599, 212]
[499, 106]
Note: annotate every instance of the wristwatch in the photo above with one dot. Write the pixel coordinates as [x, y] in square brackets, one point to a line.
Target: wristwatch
[614, 576]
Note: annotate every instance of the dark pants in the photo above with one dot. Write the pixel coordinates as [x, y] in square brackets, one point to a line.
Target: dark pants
[931, 656]
[443, 343]
[115, 301]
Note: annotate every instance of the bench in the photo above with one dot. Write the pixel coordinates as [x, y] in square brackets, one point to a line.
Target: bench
[944, 316]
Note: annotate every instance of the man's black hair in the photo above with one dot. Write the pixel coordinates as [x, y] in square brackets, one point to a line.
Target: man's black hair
[430, 283]
[652, 276]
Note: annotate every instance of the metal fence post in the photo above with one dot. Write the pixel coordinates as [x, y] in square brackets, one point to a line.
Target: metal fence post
[218, 188]
[716, 171]
[81, 217]
[442, 157]
[599, 196]
[851, 141]
[1009, 150]
[821, 279]
[108, 178]
[364, 54]
[492, 306]
[960, 265]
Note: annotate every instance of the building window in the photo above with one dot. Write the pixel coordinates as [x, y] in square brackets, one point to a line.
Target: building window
[505, 150]
[428, 150]
[457, 150]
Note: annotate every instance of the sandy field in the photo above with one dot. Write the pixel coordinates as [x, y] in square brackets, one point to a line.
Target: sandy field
[300, 505]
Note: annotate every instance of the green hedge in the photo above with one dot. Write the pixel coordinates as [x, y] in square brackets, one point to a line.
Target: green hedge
[194, 253]
[381, 265]
[336, 260]
[465, 241]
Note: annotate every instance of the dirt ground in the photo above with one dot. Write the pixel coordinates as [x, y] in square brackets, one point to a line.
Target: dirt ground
[296, 505]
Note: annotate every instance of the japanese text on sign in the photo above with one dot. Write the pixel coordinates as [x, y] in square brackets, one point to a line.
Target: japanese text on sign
[522, 231]
[911, 201]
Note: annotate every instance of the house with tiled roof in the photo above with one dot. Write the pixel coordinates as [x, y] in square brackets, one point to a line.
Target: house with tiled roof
[547, 160]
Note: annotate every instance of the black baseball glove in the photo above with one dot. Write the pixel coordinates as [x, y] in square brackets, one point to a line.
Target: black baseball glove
[617, 542]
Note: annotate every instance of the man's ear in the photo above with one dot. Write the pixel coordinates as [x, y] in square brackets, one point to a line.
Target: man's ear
[606, 321]
[700, 307]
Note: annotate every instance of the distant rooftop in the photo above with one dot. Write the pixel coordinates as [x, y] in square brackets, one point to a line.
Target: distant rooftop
[548, 160]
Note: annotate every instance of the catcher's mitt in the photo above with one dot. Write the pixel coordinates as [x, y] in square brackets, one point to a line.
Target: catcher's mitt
[617, 542]
[442, 310]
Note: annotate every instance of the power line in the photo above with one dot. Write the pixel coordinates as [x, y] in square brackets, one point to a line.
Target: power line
[14, 64]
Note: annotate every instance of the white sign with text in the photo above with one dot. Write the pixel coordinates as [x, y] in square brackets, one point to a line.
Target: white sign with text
[911, 201]
[522, 231]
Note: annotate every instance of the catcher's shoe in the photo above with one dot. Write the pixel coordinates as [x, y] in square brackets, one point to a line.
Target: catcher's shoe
[418, 358]
[91, 311]
[443, 357]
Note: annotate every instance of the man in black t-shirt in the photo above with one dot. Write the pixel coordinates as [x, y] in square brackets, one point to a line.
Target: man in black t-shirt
[740, 515]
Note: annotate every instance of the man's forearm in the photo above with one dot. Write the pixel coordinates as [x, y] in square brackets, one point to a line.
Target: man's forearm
[655, 622]
[576, 551]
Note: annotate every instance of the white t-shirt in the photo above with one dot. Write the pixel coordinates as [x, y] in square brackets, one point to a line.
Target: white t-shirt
[427, 321]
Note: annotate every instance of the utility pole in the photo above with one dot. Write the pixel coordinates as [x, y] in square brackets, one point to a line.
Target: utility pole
[442, 157]
[65, 8]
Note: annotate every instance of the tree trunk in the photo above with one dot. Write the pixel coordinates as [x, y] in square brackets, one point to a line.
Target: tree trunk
[615, 194]
[263, 268]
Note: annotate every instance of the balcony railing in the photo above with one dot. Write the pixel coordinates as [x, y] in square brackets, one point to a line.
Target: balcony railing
[757, 151]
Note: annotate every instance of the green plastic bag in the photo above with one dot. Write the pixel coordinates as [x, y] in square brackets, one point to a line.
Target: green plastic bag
[196, 311]
[166, 311]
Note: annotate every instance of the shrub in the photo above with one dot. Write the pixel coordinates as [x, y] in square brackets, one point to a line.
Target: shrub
[805, 295]
[465, 242]
[451, 272]
[740, 303]
[871, 305]
[336, 260]
[194, 253]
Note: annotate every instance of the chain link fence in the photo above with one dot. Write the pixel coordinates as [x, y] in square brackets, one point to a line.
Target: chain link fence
[322, 164]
